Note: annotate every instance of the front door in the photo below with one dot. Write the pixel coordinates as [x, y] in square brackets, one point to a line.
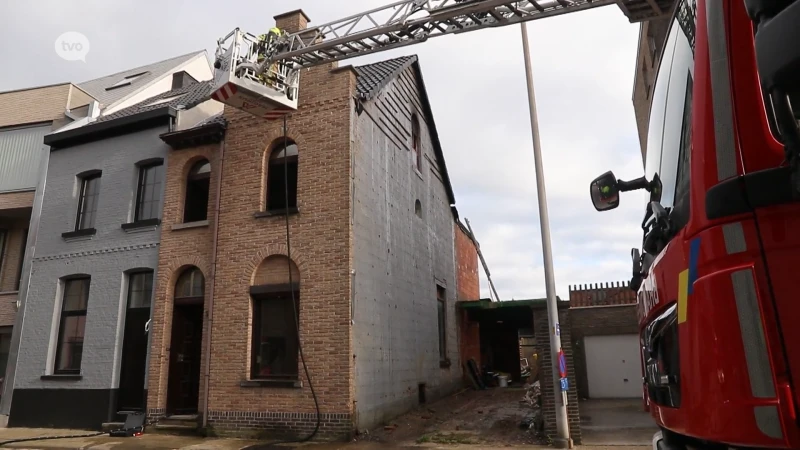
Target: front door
[184, 359]
[134, 358]
[134, 345]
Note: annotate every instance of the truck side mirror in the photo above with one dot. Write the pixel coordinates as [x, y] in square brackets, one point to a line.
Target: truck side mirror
[605, 192]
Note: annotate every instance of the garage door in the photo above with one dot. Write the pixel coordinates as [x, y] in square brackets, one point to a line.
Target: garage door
[612, 366]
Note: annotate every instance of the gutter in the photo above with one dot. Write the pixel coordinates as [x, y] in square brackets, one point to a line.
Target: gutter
[207, 351]
[109, 128]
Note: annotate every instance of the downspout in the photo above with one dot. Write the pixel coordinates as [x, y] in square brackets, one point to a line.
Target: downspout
[213, 282]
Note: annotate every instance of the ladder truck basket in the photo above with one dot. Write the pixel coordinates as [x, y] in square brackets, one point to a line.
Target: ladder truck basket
[270, 95]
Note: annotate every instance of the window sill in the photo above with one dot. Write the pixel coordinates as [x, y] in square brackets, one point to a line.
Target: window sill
[62, 377]
[275, 213]
[79, 235]
[142, 225]
[445, 364]
[296, 384]
[189, 225]
[2, 293]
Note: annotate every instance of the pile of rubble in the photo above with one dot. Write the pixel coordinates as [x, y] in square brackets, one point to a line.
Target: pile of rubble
[533, 398]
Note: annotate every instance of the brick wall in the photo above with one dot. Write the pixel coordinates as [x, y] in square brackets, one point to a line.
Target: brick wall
[595, 310]
[33, 105]
[14, 200]
[541, 330]
[179, 249]
[468, 280]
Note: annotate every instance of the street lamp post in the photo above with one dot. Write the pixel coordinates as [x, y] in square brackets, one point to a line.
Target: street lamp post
[562, 439]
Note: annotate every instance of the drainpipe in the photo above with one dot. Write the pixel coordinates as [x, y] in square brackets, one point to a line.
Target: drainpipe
[213, 282]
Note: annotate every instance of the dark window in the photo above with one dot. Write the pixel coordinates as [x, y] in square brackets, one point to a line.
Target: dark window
[197, 186]
[5, 348]
[416, 148]
[275, 350]
[72, 325]
[190, 285]
[140, 289]
[282, 177]
[87, 204]
[148, 197]
[3, 239]
[24, 246]
[418, 208]
[441, 304]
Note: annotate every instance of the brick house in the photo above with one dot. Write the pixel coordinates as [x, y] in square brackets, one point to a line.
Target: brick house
[605, 340]
[373, 264]
[83, 349]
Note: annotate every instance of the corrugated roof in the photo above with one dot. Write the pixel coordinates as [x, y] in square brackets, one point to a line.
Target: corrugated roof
[97, 88]
[373, 77]
[187, 96]
[617, 293]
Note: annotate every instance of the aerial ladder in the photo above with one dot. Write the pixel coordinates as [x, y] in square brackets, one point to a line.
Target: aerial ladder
[264, 78]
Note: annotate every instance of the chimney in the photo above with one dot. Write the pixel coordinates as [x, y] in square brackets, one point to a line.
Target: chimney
[292, 21]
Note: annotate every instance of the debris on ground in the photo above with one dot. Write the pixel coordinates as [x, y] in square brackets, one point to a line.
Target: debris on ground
[479, 417]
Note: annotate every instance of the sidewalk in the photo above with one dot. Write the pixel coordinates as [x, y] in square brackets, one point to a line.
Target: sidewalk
[146, 441]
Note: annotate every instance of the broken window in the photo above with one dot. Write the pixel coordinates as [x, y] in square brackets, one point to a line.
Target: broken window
[72, 325]
[198, 184]
[282, 177]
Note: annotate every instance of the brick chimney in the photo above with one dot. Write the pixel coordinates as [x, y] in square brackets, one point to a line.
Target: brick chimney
[292, 21]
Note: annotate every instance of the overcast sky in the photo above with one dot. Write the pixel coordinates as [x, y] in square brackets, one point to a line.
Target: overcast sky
[583, 67]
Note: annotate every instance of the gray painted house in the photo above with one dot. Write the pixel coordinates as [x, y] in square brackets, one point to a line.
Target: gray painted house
[26, 116]
[84, 344]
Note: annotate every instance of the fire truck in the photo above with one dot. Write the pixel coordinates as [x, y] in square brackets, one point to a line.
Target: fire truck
[715, 274]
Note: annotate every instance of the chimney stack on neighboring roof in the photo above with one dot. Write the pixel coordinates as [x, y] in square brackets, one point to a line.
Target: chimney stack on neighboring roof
[292, 21]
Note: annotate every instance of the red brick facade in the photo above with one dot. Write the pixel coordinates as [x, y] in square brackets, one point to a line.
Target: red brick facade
[467, 265]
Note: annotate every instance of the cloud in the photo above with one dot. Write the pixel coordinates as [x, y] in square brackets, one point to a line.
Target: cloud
[583, 67]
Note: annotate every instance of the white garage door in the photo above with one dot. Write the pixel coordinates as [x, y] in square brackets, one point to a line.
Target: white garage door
[612, 366]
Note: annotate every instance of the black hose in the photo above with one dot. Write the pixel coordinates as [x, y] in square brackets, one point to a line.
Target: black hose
[294, 304]
[48, 438]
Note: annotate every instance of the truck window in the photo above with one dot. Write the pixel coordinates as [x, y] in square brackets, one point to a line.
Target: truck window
[669, 134]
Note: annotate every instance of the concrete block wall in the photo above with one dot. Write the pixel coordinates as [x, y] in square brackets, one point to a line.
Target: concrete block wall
[543, 335]
[399, 257]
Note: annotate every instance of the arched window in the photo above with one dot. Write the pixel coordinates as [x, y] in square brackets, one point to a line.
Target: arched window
[274, 353]
[415, 142]
[190, 285]
[198, 183]
[418, 208]
[282, 177]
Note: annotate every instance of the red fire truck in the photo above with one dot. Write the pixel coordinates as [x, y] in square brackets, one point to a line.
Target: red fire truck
[716, 280]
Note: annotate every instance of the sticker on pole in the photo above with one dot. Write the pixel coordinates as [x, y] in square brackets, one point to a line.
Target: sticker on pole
[564, 384]
[562, 364]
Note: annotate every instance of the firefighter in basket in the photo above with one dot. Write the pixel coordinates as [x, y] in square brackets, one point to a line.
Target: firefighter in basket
[267, 42]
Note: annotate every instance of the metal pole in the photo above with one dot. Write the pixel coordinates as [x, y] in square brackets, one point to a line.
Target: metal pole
[562, 439]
